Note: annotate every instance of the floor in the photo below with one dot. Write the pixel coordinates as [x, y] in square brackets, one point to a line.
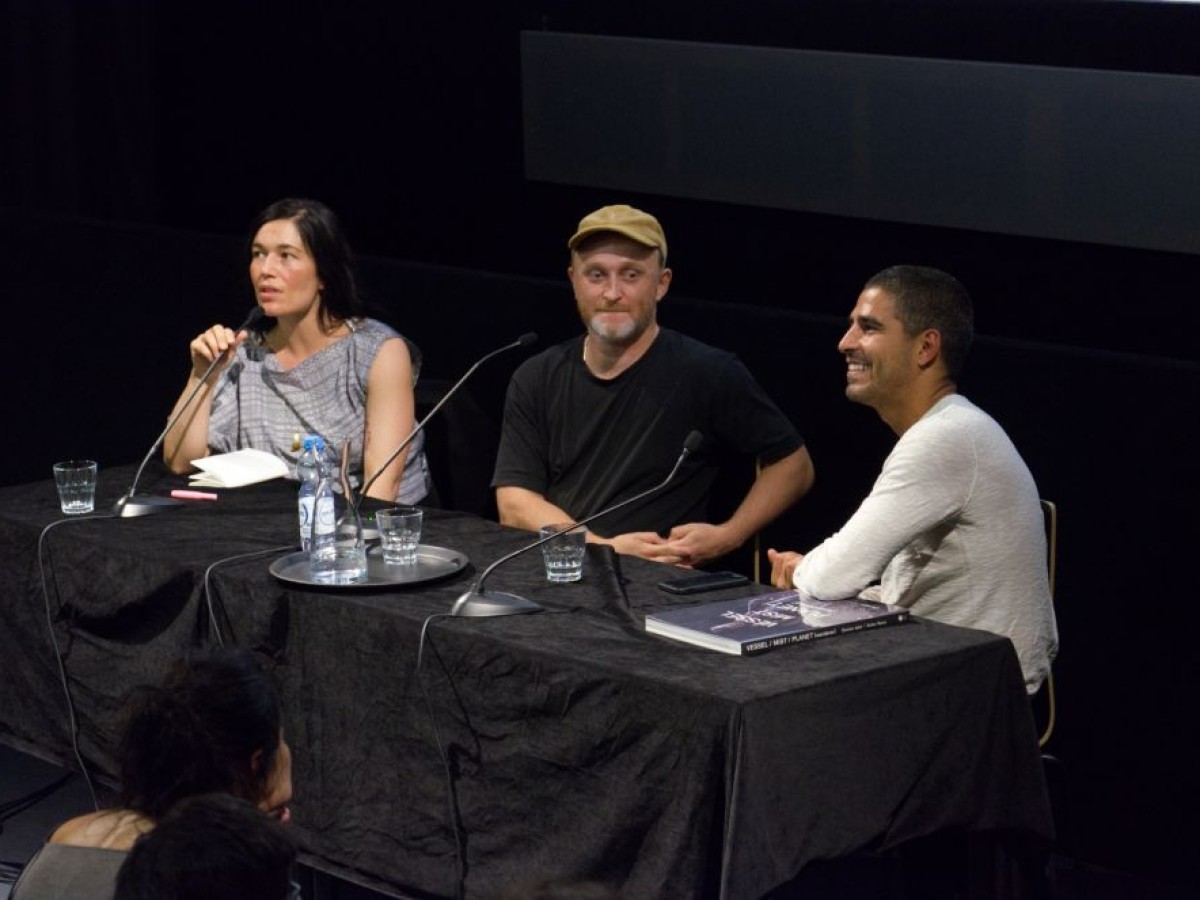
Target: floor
[24, 824]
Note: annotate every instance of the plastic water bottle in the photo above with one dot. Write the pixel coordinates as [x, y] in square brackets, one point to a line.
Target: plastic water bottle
[322, 547]
[325, 519]
[308, 473]
[338, 554]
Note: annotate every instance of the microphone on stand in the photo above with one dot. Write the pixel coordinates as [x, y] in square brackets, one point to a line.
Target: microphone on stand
[130, 505]
[524, 340]
[478, 602]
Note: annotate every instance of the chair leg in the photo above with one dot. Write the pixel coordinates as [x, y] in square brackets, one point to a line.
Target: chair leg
[1059, 785]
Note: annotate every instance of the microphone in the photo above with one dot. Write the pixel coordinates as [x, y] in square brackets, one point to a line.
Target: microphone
[524, 340]
[478, 602]
[130, 505]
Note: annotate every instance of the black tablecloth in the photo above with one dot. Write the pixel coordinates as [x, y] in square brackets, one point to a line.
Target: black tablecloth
[578, 745]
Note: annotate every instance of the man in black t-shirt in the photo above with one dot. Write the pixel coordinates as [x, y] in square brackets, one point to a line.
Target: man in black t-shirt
[604, 416]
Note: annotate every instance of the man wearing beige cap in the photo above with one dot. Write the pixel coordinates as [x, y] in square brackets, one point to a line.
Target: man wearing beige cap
[603, 416]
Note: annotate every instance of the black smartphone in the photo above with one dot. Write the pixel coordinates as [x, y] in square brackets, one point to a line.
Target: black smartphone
[702, 581]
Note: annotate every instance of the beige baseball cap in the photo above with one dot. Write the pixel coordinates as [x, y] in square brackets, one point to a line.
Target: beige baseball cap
[624, 220]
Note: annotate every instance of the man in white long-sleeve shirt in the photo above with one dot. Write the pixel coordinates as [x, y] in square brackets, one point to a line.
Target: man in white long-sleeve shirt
[952, 528]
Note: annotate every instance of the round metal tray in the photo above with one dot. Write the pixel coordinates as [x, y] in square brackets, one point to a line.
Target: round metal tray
[432, 563]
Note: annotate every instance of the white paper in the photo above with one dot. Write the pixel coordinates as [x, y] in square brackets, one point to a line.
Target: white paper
[236, 469]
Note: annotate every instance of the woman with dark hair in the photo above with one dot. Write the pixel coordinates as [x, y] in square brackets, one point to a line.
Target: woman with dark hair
[211, 846]
[314, 364]
[212, 726]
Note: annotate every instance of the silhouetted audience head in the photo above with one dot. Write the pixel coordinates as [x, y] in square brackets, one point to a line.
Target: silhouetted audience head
[212, 725]
[211, 847]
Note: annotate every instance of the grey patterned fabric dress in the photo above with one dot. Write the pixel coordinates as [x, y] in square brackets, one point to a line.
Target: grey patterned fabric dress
[258, 404]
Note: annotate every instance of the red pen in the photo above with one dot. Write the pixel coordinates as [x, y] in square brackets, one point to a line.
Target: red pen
[192, 495]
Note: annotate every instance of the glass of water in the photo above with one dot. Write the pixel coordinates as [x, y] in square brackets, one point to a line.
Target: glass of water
[76, 482]
[400, 534]
[564, 554]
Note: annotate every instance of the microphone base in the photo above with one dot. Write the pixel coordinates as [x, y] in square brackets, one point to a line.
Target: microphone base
[483, 604]
[130, 506]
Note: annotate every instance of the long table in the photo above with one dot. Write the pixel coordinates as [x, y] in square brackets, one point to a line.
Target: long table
[575, 745]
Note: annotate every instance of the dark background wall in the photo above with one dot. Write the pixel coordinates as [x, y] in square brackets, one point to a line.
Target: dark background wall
[138, 138]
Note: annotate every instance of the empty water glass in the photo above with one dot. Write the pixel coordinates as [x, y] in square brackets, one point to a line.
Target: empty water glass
[564, 554]
[399, 534]
[76, 482]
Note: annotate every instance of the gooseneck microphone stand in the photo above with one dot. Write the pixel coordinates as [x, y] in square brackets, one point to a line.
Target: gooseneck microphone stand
[478, 602]
[131, 504]
[524, 340]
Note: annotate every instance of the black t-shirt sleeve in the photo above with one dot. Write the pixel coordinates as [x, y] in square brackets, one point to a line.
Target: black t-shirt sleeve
[521, 459]
[747, 419]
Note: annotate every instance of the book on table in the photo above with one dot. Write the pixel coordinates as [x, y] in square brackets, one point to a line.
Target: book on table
[237, 469]
[752, 625]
